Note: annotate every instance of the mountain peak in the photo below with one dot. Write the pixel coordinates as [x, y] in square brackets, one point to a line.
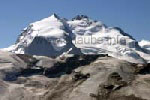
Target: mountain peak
[54, 15]
[80, 17]
[57, 33]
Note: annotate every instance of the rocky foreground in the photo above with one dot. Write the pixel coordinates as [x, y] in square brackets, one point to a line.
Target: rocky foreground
[72, 77]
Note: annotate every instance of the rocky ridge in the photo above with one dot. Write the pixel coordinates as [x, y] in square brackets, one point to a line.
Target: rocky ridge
[73, 77]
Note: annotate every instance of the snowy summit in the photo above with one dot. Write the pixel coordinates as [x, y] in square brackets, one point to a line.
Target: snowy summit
[53, 36]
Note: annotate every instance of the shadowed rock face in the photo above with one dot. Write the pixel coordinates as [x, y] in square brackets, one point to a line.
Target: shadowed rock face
[75, 77]
[43, 47]
[40, 46]
[79, 17]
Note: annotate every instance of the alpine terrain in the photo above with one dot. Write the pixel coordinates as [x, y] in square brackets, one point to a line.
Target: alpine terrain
[78, 59]
[53, 36]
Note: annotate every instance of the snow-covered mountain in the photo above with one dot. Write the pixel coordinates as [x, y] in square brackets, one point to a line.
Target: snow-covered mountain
[145, 44]
[48, 37]
[53, 36]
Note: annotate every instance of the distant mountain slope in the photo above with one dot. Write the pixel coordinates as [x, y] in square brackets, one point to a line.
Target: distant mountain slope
[54, 35]
[145, 44]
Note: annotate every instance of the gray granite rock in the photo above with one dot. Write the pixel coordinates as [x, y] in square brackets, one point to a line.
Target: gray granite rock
[78, 77]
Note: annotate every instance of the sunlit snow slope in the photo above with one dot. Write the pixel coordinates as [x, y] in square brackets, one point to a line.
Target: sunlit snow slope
[53, 36]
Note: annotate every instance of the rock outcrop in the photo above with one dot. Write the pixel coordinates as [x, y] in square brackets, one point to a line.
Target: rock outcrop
[75, 77]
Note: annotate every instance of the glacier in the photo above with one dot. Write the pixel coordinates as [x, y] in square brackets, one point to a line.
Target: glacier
[54, 36]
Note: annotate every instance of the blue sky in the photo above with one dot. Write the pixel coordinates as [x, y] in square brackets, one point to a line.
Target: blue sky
[133, 16]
